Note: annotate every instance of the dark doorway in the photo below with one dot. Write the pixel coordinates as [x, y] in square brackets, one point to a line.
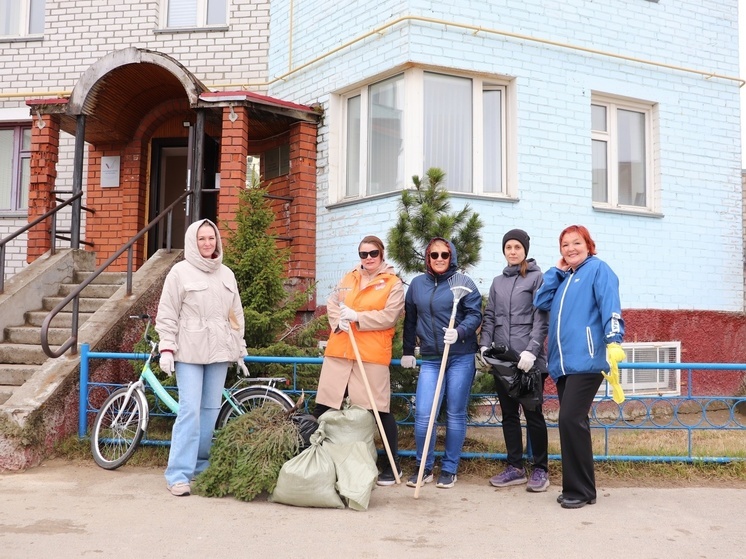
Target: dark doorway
[168, 181]
[210, 186]
[169, 176]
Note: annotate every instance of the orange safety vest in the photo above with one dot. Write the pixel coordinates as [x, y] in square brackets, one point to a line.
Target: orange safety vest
[375, 346]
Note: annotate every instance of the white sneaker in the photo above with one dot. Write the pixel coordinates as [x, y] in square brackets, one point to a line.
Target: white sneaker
[180, 490]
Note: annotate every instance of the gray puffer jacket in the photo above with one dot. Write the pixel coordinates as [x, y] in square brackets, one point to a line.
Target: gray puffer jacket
[194, 313]
[510, 317]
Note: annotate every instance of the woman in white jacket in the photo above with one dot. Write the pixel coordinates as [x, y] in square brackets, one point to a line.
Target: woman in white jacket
[200, 324]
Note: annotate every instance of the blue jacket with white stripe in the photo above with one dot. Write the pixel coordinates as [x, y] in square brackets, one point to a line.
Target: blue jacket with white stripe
[585, 315]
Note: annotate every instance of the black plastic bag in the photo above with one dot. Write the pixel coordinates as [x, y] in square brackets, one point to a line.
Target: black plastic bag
[527, 388]
[306, 425]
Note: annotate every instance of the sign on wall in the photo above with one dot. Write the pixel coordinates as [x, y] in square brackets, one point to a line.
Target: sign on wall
[110, 171]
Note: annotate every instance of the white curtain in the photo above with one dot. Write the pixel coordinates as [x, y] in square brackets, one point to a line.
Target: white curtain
[492, 160]
[448, 129]
[9, 17]
[352, 164]
[182, 13]
[385, 136]
[631, 157]
[6, 168]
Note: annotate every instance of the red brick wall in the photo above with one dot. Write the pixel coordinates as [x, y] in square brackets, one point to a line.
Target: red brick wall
[45, 143]
[705, 336]
[233, 151]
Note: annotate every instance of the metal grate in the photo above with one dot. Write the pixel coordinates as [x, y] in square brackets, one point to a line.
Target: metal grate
[651, 381]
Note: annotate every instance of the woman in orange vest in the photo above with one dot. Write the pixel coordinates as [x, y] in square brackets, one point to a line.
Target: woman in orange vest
[368, 301]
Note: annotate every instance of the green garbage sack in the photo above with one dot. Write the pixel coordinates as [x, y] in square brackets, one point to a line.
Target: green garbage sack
[356, 472]
[308, 480]
[351, 424]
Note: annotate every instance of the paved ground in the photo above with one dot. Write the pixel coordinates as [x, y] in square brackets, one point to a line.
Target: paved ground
[63, 509]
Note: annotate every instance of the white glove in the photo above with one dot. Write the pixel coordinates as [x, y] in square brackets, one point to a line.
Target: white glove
[242, 368]
[451, 336]
[527, 361]
[408, 361]
[344, 325]
[480, 356]
[346, 313]
[166, 362]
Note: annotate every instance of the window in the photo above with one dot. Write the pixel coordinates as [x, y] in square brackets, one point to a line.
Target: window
[405, 124]
[19, 18]
[622, 154]
[196, 13]
[277, 161]
[15, 160]
[650, 381]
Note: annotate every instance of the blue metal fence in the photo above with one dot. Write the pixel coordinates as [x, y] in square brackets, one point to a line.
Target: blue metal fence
[688, 414]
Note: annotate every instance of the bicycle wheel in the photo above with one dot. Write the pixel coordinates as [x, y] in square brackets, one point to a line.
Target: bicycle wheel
[114, 441]
[247, 399]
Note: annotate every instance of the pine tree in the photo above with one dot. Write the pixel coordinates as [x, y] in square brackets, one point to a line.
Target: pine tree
[424, 214]
[259, 265]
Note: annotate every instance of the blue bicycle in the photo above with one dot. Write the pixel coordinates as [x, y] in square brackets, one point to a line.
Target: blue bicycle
[123, 418]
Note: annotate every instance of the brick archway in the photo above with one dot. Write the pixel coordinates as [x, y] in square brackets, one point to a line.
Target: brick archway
[132, 96]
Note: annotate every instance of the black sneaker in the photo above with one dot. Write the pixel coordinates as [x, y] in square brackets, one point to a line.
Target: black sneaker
[427, 477]
[446, 480]
[386, 477]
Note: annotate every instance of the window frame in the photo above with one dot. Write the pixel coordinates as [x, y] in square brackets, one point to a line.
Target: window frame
[412, 126]
[613, 105]
[201, 16]
[17, 158]
[25, 18]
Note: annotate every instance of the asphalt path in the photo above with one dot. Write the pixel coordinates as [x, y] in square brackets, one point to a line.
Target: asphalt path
[71, 509]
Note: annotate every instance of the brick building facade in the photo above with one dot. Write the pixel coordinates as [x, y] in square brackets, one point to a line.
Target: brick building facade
[620, 115]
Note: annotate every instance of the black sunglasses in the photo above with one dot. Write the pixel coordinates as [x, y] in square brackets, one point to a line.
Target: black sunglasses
[372, 253]
[443, 255]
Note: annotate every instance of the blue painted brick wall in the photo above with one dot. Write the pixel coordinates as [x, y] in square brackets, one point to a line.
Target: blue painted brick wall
[689, 257]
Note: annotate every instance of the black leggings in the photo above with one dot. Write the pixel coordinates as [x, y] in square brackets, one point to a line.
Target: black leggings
[390, 427]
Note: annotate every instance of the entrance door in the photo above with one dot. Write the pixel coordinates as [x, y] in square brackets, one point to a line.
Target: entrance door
[168, 181]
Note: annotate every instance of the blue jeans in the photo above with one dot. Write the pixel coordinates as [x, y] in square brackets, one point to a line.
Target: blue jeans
[200, 396]
[457, 381]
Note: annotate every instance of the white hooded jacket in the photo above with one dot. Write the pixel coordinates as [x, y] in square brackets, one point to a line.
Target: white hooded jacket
[194, 317]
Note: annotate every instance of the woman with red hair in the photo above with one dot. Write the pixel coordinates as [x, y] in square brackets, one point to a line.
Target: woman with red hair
[581, 294]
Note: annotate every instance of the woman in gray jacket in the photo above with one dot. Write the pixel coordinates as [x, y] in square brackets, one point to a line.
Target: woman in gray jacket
[511, 319]
[200, 324]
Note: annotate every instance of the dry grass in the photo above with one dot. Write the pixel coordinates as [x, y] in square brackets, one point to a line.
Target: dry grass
[611, 474]
[489, 440]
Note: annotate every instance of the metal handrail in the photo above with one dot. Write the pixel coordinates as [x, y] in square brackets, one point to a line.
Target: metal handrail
[22, 230]
[74, 295]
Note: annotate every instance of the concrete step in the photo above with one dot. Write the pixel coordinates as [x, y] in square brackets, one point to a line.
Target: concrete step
[22, 354]
[32, 335]
[100, 290]
[117, 278]
[62, 320]
[16, 374]
[86, 304]
[6, 392]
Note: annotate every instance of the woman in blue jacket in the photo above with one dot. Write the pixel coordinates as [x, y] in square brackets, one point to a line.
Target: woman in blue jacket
[427, 307]
[582, 296]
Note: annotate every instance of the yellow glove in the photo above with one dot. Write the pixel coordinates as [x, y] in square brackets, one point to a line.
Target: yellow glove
[614, 354]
